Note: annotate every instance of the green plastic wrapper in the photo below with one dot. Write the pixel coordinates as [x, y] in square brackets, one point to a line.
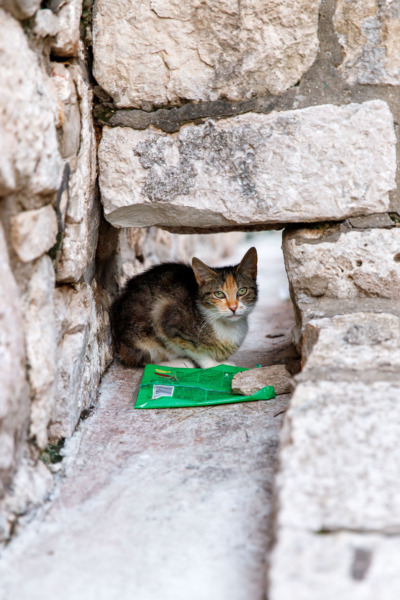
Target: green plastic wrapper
[167, 387]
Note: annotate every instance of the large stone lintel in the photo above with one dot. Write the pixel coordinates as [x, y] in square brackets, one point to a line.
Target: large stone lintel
[318, 163]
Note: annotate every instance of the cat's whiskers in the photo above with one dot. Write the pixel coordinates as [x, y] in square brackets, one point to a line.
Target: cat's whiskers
[209, 319]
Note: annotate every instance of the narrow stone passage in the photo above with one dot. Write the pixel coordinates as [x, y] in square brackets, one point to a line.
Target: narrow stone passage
[164, 504]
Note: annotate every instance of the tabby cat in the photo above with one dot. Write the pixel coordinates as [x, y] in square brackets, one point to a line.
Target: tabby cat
[176, 311]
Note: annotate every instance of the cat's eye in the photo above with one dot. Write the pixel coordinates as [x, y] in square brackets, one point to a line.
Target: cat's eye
[242, 291]
[219, 294]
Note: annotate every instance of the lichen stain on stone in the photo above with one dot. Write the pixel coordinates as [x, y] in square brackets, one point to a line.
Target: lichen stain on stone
[231, 153]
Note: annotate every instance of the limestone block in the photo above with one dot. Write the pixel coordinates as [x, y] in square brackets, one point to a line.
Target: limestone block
[70, 125]
[21, 9]
[82, 212]
[78, 368]
[29, 157]
[66, 42]
[358, 342]
[322, 162]
[369, 32]
[250, 382]
[348, 265]
[41, 346]
[46, 23]
[339, 457]
[356, 566]
[159, 51]
[34, 232]
[14, 395]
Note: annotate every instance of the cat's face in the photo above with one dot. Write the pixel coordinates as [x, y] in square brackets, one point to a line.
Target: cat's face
[228, 293]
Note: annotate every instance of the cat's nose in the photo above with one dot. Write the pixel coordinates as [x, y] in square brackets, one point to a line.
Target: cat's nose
[233, 308]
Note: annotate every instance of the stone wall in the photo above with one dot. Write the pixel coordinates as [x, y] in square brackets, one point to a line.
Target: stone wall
[54, 337]
[228, 115]
[60, 262]
[210, 117]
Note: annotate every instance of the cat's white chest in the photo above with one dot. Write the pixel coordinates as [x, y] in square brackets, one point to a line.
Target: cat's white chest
[231, 333]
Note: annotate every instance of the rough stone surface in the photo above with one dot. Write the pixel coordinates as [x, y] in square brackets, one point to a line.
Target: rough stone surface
[160, 51]
[383, 220]
[31, 486]
[34, 232]
[355, 264]
[41, 346]
[29, 157]
[369, 31]
[250, 382]
[14, 396]
[345, 565]
[318, 163]
[20, 9]
[66, 42]
[366, 344]
[79, 364]
[82, 211]
[62, 78]
[338, 458]
[46, 23]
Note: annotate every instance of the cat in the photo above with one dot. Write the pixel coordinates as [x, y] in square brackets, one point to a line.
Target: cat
[176, 311]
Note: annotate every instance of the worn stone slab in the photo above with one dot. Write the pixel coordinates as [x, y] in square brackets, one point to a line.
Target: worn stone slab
[351, 566]
[179, 501]
[322, 162]
[34, 232]
[369, 33]
[367, 344]
[29, 157]
[339, 455]
[158, 52]
[250, 382]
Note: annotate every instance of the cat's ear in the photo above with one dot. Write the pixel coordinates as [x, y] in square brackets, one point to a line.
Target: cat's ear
[202, 272]
[248, 264]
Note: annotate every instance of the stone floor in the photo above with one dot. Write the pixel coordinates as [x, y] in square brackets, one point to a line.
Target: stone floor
[164, 504]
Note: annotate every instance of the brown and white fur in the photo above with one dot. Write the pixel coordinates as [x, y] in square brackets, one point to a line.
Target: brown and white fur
[174, 311]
